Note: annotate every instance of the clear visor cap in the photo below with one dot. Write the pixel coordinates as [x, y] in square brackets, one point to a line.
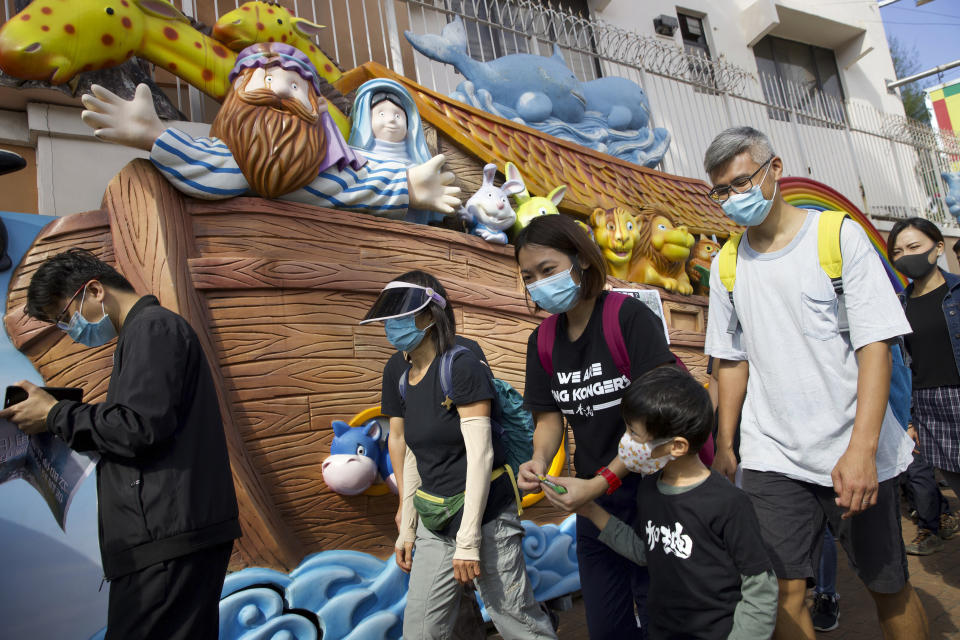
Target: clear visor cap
[401, 299]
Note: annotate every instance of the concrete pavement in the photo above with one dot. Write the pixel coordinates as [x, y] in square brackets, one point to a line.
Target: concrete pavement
[936, 579]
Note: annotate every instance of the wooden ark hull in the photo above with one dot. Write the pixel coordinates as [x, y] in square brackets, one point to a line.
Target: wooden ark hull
[275, 291]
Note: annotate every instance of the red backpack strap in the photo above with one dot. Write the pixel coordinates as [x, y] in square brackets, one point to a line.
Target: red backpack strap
[546, 338]
[680, 364]
[613, 333]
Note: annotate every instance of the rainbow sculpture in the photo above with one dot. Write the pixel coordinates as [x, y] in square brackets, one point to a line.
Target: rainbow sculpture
[810, 194]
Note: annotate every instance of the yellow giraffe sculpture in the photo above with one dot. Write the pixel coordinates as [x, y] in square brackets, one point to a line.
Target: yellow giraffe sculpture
[265, 21]
[53, 40]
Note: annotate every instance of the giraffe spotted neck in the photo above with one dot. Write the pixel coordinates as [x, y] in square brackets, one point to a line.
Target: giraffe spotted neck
[262, 21]
[193, 56]
[53, 40]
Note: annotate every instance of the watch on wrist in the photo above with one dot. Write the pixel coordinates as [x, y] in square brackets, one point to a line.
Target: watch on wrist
[612, 480]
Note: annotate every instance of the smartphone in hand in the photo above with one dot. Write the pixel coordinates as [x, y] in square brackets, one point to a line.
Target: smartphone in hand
[553, 485]
[15, 395]
[18, 394]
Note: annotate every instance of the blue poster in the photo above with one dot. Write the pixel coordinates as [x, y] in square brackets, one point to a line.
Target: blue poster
[50, 584]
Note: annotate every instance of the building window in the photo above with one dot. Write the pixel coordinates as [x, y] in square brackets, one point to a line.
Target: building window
[694, 40]
[800, 77]
[693, 34]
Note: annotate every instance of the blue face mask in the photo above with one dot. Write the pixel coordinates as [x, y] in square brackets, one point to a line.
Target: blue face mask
[91, 334]
[751, 208]
[555, 294]
[403, 333]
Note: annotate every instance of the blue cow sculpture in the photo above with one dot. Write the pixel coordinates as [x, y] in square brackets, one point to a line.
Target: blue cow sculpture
[609, 114]
[952, 180]
[358, 457]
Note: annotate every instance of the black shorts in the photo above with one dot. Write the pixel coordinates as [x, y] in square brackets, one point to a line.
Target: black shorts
[792, 516]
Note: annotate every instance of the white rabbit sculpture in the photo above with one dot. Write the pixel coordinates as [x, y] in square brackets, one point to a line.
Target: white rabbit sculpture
[488, 212]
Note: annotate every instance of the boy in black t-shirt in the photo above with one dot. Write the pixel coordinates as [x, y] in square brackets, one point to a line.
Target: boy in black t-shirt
[697, 533]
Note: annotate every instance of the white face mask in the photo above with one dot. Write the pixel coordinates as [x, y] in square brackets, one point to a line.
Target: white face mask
[637, 455]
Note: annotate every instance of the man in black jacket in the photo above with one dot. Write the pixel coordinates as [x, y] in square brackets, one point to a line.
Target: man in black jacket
[167, 506]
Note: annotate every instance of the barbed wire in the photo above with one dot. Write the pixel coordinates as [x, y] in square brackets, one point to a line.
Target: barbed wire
[594, 38]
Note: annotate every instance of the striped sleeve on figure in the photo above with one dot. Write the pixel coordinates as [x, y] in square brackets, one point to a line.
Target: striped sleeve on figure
[199, 167]
[379, 188]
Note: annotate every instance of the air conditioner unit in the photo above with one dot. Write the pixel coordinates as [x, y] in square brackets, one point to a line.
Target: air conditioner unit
[665, 25]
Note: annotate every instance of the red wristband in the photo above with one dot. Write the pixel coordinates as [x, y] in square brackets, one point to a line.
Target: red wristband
[611, 479]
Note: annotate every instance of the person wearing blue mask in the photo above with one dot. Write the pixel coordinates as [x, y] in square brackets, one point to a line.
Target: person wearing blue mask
[819, 441]
[564, 274]
[458, 505]
[165, 496]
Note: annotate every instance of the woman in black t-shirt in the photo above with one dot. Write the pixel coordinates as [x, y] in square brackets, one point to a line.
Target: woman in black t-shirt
[565, 274]
[457, 501]
[932, 304]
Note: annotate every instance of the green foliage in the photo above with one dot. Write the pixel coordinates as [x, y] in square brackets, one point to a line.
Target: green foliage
[906, 63]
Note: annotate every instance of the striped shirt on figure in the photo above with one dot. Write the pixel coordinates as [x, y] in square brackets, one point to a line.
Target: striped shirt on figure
[205, 168]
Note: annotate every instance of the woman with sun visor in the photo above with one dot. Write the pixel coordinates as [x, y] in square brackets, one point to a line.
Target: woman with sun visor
[458, 502]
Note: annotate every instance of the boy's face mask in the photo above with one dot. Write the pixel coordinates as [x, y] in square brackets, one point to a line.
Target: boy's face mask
[637, 456]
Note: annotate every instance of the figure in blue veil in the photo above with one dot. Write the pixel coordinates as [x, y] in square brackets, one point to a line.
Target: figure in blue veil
[387, 126]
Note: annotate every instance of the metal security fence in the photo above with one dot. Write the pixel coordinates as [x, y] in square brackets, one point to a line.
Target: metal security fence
[885, 163]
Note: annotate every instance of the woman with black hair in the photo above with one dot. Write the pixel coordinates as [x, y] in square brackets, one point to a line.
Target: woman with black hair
[458, 499]
[574, 376]
[932, 305]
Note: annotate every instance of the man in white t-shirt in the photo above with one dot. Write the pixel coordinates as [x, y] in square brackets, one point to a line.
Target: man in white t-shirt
[819, 443]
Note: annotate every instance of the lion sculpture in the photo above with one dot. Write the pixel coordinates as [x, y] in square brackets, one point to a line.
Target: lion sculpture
[615, 231]
[698, 268]
[661, 251]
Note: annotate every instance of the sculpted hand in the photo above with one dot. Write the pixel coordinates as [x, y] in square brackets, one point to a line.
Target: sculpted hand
[429, 189]
[528, 476]
[132, 123]
[855, 481]
[30, 416]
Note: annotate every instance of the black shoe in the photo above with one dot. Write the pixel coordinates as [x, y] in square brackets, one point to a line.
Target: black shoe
[826, 611]
[924, 544]
[949, 525]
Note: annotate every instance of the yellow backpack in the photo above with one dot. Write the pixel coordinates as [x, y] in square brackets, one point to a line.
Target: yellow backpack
[828, 251]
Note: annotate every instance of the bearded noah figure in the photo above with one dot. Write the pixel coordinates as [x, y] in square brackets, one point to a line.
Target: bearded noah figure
[276, 123]
[272, 137]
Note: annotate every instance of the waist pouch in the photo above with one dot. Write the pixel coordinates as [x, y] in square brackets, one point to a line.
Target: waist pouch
[436, 512]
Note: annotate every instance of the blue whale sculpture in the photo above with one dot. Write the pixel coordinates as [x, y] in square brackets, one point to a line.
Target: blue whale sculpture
[535, 86]
[609, 114]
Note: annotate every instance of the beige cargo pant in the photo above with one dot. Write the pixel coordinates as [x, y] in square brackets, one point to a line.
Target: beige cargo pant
[434, 594]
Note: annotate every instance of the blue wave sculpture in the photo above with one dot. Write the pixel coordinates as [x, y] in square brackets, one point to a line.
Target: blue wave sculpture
[611, 114]
[349, 595]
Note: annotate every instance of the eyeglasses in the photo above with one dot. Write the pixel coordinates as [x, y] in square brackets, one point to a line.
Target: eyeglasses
[59, 319]
[742, 184]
